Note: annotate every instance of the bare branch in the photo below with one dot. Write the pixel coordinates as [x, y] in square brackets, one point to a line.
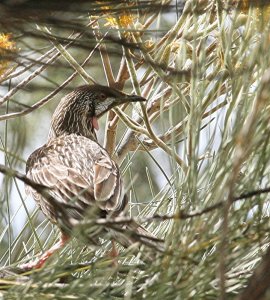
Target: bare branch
[47, 98]
[259, 282]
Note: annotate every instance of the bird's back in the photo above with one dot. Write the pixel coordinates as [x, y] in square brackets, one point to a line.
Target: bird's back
[80, 175]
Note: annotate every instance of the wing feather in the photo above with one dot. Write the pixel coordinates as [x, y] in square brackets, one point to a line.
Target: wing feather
[104, 183]
[78, 177]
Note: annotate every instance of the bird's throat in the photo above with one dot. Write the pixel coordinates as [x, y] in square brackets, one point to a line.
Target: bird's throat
[95, 123]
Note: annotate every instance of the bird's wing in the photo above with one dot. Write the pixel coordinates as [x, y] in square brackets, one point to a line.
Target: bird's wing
[108, 188]
[79, 173]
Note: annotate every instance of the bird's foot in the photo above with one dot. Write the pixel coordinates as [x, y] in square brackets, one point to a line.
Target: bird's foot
[40, 261]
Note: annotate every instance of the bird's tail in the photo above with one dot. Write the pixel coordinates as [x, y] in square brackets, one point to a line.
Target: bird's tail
[149, 239]
[134, 233]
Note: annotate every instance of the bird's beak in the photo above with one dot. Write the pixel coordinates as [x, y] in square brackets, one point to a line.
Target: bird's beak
[129, 98]
[118, 99]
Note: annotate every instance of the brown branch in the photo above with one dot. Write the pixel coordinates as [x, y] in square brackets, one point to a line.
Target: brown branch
[129, 142]
[179, 215]
[110, 133]
[259, 282]
[12, 173]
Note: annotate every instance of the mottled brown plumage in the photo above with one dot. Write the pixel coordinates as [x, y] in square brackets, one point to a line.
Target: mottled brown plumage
[79, 172]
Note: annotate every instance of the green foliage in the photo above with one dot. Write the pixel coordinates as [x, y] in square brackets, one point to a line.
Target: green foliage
[189, 157]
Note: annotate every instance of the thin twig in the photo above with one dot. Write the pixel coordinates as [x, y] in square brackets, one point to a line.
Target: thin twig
[47, 98]
[181, 215]
[40, 69]
[69, 58]
[29, 78]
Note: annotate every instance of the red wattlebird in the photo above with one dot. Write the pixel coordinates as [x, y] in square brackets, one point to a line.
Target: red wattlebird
[79, 173]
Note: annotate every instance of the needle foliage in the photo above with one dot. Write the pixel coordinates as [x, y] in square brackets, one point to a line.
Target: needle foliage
[195, 158]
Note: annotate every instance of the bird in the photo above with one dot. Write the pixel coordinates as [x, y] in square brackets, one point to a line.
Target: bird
[81, 177]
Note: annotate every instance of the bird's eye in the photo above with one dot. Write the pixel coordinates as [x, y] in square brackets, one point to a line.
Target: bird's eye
[102, 96]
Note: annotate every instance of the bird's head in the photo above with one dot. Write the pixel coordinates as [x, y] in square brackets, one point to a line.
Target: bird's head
[78, 111]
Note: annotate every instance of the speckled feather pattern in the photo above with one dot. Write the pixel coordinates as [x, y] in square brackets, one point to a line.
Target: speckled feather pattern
[78, 171]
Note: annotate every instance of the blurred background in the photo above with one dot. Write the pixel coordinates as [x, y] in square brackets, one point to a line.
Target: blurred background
[191, 154]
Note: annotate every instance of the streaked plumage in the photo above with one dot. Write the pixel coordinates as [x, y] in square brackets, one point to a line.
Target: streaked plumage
[78, 171]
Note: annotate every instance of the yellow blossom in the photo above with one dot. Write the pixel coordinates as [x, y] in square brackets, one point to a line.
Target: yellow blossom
[260, 10]
[7, 46]
[123, 20]
[5, 42]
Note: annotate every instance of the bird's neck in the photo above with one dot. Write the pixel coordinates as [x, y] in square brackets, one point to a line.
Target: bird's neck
[79, 126]
[90, 135]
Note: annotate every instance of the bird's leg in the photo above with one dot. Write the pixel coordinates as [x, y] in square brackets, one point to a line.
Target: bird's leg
[113, 254]
[39, 262]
